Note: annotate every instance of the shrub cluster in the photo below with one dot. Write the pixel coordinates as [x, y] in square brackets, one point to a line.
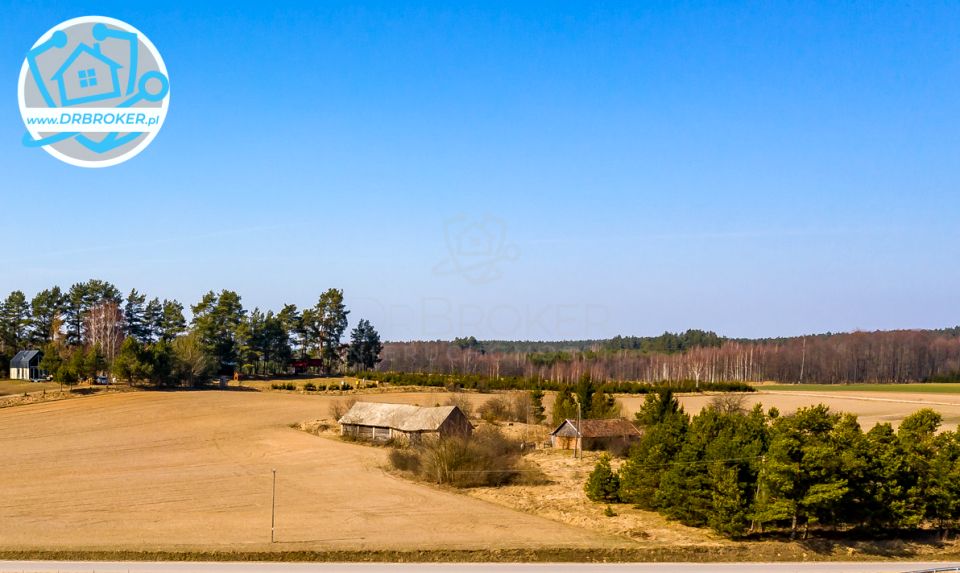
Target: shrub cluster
[487, 458]
[516, 407]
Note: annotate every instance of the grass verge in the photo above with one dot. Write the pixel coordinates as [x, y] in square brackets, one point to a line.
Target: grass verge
[747, 552]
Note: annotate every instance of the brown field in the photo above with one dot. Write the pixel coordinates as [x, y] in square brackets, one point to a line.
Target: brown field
[870, 407]
[192, 471]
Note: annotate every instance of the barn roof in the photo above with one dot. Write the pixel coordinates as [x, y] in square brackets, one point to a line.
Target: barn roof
[601, 428]
[24, 358]
[402, 417]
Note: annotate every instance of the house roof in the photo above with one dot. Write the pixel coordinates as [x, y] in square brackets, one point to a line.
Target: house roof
[24, 358]
[402, 417]
[81, 49]
[601, 428]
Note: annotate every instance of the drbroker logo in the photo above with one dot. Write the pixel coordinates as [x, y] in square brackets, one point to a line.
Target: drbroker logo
[93, 92]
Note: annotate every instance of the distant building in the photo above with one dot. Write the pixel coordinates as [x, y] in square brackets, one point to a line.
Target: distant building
[26, 365]
[381, 422]
[615, 434]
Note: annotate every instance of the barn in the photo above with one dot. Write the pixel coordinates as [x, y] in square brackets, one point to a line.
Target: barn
[26, 365]
[614, 434]
[381, 422]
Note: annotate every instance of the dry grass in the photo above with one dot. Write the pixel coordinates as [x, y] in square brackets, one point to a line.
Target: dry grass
[13, 387]
[54, 393]
[564, 500]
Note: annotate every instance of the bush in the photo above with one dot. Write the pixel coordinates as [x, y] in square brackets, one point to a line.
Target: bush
[495, 409]
[310, 387]
[404, 460]
[462, 401]
[487, 458]
[516, 407]
[339, 407]
[603, 484]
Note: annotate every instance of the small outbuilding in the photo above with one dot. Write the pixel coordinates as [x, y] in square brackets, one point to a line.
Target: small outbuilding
[615, 434]
[26, 365]
[382, 422]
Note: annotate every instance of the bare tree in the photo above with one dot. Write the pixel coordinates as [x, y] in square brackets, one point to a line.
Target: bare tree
[103, 325]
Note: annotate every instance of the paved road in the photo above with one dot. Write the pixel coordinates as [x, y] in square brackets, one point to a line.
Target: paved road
[188, 567]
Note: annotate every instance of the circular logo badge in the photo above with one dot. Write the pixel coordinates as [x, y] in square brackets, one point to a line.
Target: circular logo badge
[93, 92]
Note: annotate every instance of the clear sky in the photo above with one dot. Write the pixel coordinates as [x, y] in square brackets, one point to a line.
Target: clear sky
[542, 170]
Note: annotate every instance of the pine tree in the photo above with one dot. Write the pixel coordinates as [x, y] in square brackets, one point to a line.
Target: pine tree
[216, 322]
[729, 509]
[536, 403]
[129, 364]
[47, 308]
[585, 391]
[603, 484]
[664, 426]
[52, 359]
[886, 505]
[94, 363]
[917, 437]
[603, 406]
[564, 407]
[133, 316]
[14, 322]
[803, 477]
[172, 323]
[365, 346]
[152, 321]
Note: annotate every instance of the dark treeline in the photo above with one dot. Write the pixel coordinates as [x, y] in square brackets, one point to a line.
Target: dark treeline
[485, 383]
[92, 329]
[883, 356]
[741, 472]
[667, 342]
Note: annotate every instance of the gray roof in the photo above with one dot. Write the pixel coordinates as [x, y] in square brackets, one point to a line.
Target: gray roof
[589, 428]
[24, 358]
[403, 417]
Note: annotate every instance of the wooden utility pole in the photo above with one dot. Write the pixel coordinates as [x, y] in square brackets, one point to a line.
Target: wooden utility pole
[273, 507]
[803, 357]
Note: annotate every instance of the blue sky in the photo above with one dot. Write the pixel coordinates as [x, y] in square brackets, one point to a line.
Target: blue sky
[544, 170]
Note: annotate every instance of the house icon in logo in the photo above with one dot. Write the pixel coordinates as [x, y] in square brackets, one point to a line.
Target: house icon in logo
[87, 76]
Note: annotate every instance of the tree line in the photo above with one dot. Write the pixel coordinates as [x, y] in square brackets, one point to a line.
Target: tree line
[740, 472]
[857, 357]
[484, 383]
[92, 328]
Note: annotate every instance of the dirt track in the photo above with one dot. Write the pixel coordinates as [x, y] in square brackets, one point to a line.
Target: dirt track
[192, 470]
